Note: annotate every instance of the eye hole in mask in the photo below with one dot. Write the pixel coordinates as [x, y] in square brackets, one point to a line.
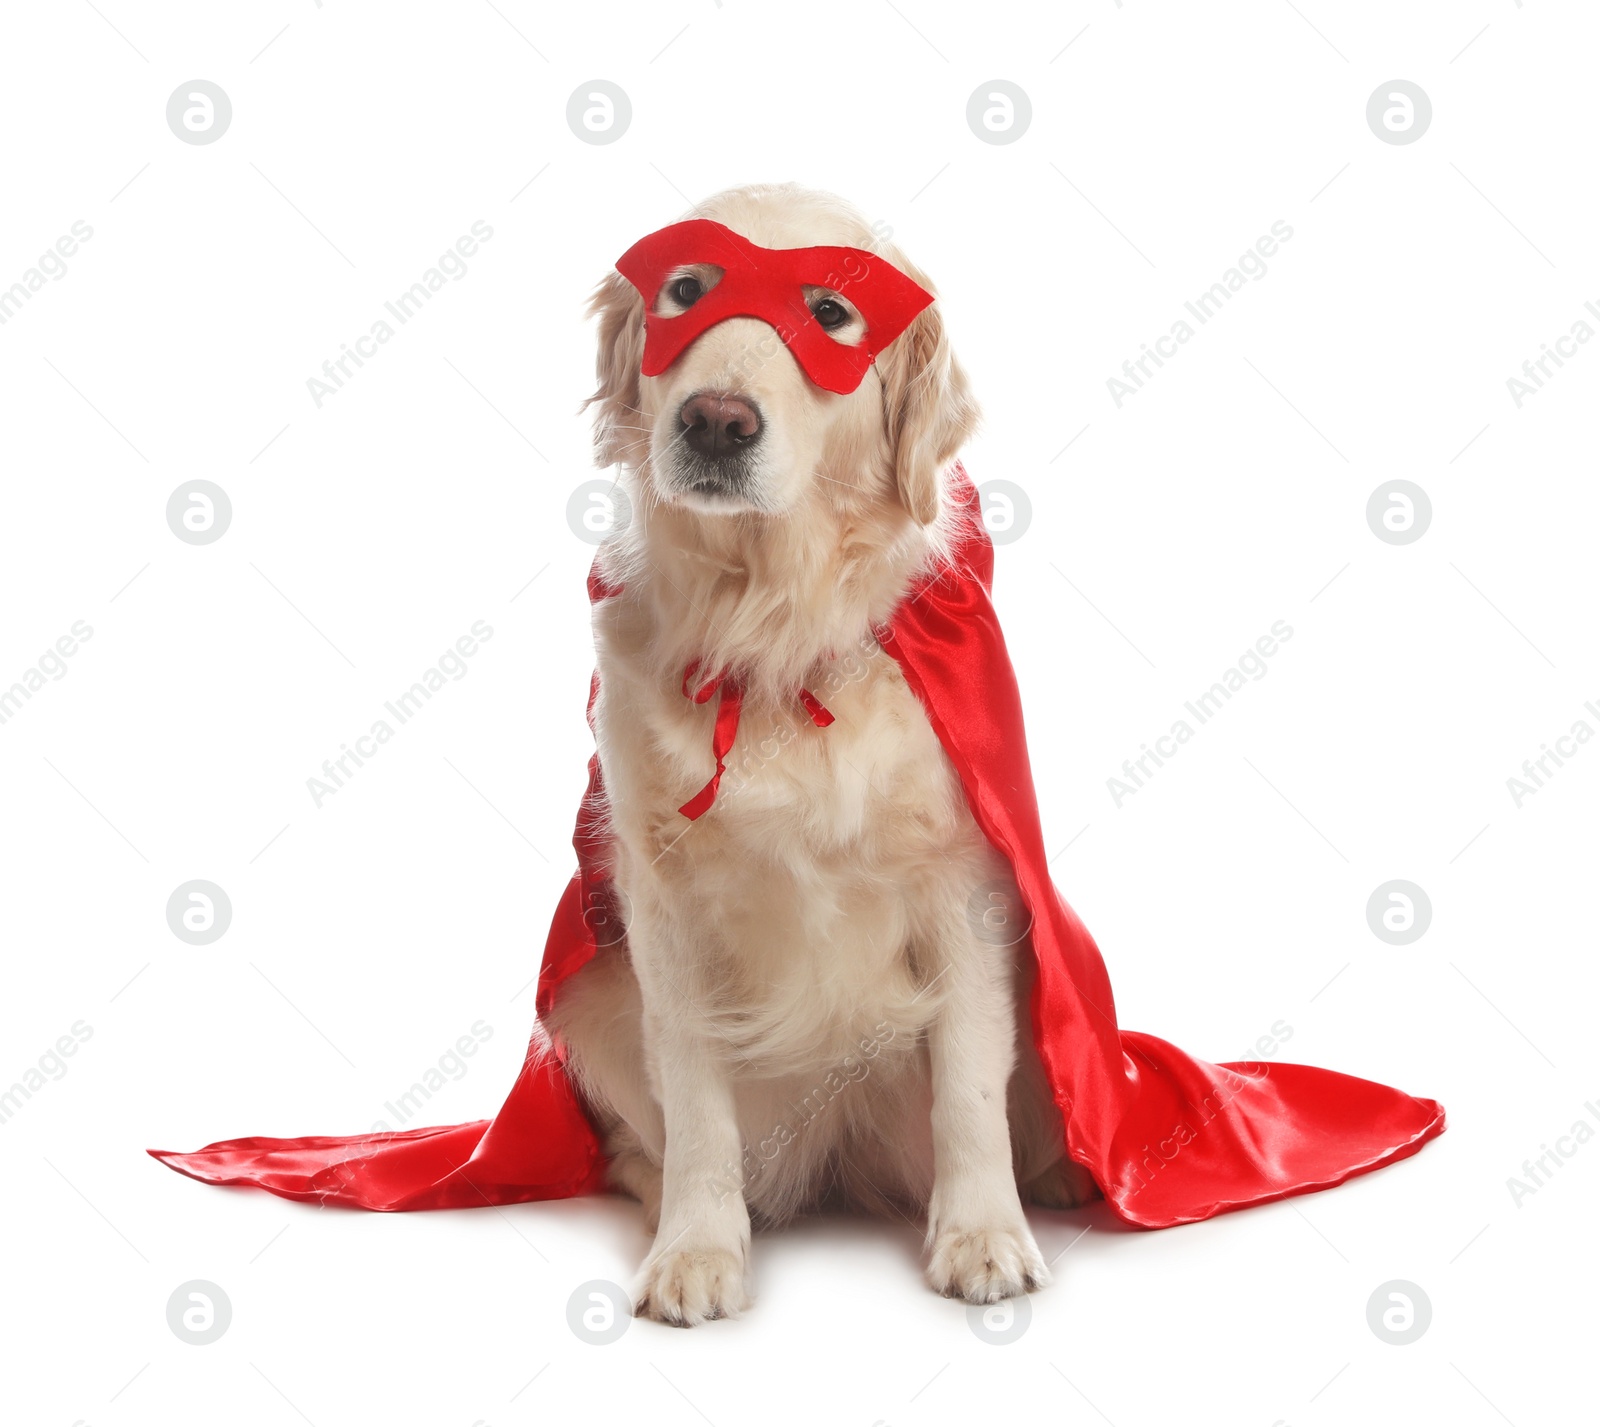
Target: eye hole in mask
[685, 286]
[835, 315]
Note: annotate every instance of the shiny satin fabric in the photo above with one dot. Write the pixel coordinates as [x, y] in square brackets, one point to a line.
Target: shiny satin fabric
[730, 699]
[1168, 1138]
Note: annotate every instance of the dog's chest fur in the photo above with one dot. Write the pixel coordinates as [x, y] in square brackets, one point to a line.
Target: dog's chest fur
[811, 908]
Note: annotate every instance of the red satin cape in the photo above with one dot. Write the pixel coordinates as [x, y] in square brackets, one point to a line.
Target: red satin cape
[1168, 1138]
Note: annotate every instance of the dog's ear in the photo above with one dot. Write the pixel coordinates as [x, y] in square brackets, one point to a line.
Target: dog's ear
[928, 407]
[616, 367]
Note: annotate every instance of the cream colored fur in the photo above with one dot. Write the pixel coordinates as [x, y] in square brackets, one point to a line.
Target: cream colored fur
[804, 1009]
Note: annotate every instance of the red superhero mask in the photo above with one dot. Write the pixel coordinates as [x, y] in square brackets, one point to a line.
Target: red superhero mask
[769, 284]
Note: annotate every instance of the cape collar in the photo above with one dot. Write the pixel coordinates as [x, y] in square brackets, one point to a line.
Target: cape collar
[729, 701]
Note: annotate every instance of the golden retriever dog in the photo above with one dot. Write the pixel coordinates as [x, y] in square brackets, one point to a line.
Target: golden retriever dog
[804, 1011]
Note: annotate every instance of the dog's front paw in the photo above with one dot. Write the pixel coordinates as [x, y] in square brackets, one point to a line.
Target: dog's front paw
[986, 1265]
[685, 1287]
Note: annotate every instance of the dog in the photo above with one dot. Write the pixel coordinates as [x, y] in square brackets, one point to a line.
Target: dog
[802, 1013]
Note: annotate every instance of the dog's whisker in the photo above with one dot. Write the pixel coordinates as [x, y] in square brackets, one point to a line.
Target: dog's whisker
[835, 481]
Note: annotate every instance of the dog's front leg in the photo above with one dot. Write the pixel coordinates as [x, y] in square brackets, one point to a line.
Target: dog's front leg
[981, 1247]
[698, 1264]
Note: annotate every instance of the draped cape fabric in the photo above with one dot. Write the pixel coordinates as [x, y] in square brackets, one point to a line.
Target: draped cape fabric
[1168, 1138]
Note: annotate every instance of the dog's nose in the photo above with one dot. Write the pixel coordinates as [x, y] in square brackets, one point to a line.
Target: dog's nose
[718, 423]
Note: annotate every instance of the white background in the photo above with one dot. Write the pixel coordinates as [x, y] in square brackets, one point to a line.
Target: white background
[368, 535]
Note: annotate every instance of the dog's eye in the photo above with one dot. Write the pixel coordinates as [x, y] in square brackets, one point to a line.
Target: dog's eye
[686, 291]
[832, 315]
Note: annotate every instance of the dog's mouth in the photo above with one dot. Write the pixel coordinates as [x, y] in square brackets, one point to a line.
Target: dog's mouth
[715, 483]
[717, 486]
